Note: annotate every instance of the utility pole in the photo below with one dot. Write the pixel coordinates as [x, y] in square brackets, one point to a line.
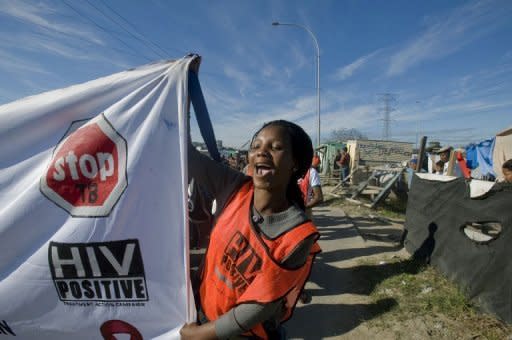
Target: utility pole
[388, 101]
[275, 23]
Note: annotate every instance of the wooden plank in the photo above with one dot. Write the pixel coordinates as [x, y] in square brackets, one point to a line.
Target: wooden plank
[353, 201]
[371, 191]
[336, 187]
[340, 184]
[361, 187]
[386, 189]
[451, 163]
[421, 154]
[346, 179]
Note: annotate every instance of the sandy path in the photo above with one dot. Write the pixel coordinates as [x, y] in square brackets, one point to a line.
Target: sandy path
[340, 302]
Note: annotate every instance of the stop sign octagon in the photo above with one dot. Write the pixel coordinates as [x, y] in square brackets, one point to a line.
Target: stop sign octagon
[87, 173]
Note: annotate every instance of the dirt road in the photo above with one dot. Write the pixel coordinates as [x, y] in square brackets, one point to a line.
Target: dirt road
[340, 298]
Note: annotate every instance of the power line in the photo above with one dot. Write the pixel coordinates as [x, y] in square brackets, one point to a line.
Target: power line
[132, 26]
[127, 31]
[72, 17]
[75, 37]
[101, 27]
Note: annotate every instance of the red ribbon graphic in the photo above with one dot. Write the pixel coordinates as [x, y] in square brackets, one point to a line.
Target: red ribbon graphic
[112, 327]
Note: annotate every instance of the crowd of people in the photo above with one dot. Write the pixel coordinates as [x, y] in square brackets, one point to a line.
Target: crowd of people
[438, 161]
[236, 161]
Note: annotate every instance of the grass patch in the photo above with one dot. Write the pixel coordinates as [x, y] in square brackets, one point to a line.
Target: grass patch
[422, 293]
[334, 201]
[391, 214]
[392, 208]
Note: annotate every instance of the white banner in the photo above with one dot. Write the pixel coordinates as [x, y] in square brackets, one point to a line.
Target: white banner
[93, 238]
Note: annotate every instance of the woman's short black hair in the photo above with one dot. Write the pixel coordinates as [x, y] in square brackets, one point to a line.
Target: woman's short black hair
[302, 153]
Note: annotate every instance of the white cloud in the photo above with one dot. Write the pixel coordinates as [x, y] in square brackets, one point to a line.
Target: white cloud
[11, 63]
[47, 29]
[36, 44]
[446, 35]
[235, 119]
[438, 111]
[43, 16]
[238, 125]
[305, 104]
[348, 70]
[300, 59]
[475, 106]
[358, 116]
[241, 78]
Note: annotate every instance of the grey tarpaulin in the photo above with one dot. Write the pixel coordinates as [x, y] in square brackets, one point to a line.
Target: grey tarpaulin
[436, 214]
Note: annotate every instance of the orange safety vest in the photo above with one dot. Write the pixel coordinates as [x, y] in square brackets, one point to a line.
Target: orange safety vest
[304, 186]
[242, 266]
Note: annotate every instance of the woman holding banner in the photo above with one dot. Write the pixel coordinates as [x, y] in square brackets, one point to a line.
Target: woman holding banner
[262, 245]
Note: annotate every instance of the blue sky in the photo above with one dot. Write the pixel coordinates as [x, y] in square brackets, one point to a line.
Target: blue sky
[449, 63]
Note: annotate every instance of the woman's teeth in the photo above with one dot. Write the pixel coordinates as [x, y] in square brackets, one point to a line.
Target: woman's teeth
[263, 171]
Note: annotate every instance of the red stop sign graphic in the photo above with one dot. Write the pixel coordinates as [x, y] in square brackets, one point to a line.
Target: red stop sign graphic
[87, 173]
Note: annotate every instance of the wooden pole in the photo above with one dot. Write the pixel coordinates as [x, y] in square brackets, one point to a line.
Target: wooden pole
[451, 163]
[421, 154]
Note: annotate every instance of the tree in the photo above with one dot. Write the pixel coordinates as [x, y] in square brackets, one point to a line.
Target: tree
[344, 134]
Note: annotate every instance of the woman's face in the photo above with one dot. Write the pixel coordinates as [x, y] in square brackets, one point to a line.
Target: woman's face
[271, 160]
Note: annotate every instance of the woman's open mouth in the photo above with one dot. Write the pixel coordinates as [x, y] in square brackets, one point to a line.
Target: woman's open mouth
[263, 170]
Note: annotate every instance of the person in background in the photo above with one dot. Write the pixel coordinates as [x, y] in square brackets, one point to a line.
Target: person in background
[444, 153]
[439, 167]
[344, 164]
[262, 245]
[311, 187]
[317, 161]
[409, 171]
[336, 164]
[506, 168]
[413, 163]
[444, 156]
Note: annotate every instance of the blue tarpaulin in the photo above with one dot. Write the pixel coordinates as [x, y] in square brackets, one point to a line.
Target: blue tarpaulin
[479, 158]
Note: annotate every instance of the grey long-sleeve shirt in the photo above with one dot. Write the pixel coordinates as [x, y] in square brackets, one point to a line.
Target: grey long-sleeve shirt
[221, 181]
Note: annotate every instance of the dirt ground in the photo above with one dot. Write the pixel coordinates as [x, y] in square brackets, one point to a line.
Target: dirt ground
[361, 248]
[341, 304]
